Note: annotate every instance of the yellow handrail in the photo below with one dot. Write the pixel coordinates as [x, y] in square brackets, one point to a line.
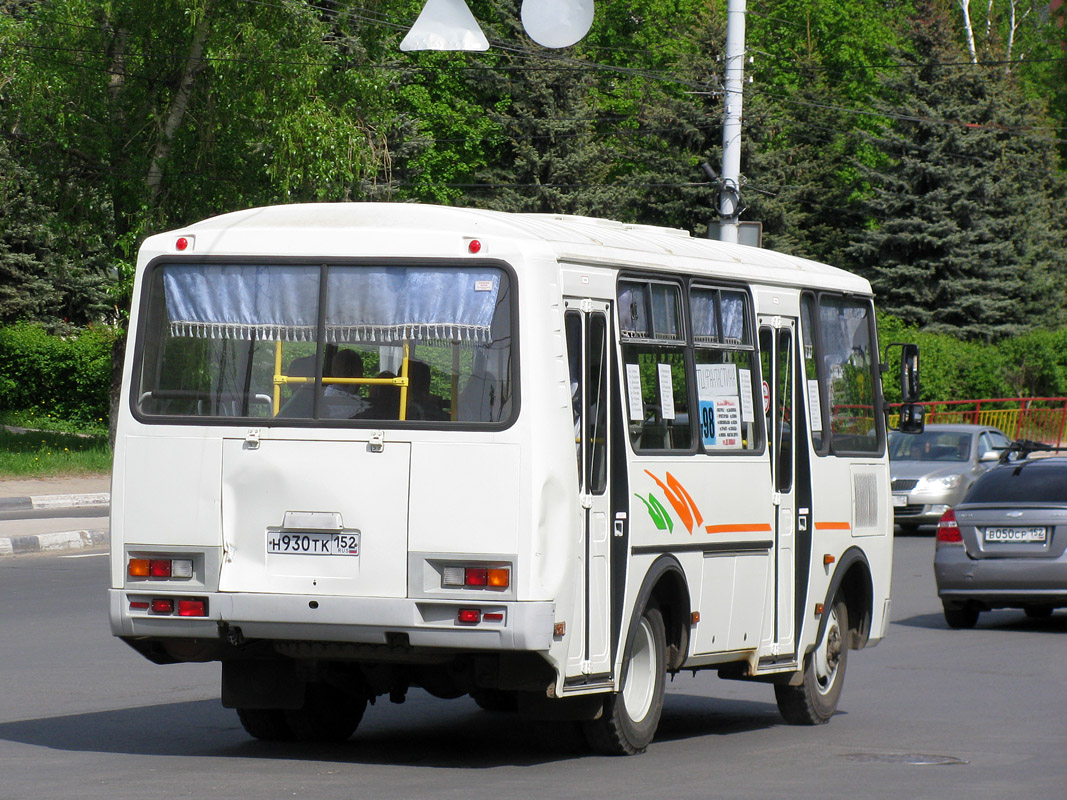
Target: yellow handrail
[400, 380]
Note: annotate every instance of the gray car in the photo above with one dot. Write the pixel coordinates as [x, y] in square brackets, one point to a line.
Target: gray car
[1004, 545]
[932, 471]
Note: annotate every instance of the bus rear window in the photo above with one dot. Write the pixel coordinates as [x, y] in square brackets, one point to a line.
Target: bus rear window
[287, 343]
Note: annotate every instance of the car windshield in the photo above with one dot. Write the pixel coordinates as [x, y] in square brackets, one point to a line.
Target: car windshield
[1027, 483]
[930, 446]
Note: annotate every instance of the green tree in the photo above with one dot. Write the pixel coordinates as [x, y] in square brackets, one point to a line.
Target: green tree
[137, 115]
[961, 217]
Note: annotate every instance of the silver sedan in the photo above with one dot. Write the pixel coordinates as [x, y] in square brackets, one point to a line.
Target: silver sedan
[932, 471]
[1005, 545]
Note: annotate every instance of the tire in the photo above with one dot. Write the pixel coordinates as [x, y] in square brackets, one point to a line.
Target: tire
[496, 700]
[815, 700]
[266, 724]
[631, 716]
[328, 715]
[960, 616]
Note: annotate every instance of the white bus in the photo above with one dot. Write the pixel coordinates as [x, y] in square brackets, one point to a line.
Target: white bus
[542, 460]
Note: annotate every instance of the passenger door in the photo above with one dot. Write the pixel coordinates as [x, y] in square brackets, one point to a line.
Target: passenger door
[777, 337]
[587, 329]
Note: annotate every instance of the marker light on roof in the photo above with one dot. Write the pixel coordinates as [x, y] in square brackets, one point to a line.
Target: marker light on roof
[474, 246]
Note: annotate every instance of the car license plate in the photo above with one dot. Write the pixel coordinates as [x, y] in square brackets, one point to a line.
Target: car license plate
[900, 500]
[1013, 535]
[314, 544]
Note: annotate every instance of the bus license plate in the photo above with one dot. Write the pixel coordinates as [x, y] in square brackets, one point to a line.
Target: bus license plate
[313, 544]
[1012, 535]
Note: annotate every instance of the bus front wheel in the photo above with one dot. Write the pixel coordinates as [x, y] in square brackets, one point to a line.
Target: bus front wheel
[814, 701]
[631, 716]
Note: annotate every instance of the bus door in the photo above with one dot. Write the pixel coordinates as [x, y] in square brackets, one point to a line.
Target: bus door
[587, 327]
[777, 340]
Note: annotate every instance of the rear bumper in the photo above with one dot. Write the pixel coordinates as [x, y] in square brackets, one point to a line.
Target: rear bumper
[1000, 581]
[525, 626]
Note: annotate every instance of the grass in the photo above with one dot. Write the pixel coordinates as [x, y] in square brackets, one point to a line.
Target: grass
[47, 454]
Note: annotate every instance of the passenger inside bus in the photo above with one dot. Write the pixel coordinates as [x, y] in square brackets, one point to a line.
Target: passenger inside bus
[301, 401]
[422, 404]
[384, 400]
[342, 400]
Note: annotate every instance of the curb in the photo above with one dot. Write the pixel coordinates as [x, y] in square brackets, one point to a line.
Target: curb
[52, 542]
[54, 501]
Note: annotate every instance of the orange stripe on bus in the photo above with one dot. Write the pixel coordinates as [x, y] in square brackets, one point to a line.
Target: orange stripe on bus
[755, 528]
[833, 526]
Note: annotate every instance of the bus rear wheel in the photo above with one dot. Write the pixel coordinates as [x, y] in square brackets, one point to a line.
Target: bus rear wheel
[267, 724]
[631, 716]
[328, 714]
[815, 700]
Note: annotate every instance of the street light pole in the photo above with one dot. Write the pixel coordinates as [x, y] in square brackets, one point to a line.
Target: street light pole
[730, 195]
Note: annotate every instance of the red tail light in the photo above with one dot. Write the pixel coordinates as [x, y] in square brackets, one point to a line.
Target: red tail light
[948, 531]
[192, 608]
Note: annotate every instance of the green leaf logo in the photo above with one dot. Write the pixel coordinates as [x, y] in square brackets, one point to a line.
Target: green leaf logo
[658, 513]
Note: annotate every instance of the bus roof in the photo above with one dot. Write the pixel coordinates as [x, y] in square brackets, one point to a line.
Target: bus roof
[324, 229]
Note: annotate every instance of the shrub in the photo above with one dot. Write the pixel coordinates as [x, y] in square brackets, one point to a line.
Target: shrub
[46, 376]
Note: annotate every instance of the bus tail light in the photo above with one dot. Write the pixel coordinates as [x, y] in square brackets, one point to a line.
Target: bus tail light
[170, 606]
[192, 608]
[948, 530]
[472, 616]
[476, 576]
[137, 568]
[160, 568]
[456, 576]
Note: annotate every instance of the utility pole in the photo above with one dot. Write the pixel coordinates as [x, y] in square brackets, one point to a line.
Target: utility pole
[730, 195]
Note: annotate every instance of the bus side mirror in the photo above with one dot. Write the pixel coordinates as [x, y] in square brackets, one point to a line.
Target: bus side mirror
[912, 418]
[912, 415]
[909, 373]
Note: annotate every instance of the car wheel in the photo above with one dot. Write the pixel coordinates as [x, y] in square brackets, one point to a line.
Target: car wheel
[960, 615]
[631, 716]
[814, 701]
[1038, 612]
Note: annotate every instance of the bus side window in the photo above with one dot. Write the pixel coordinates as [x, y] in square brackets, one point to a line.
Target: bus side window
[655, 374]
[725, 361]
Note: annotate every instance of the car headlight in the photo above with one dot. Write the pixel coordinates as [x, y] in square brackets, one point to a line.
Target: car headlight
[938, 484]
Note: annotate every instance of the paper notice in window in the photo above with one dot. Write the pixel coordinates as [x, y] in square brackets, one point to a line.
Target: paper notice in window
[666, 391]
[815, 405]
[748, 413]
[633, 391]
[720, 423]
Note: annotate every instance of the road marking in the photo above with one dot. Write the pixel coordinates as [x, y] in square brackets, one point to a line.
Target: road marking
[85, 555]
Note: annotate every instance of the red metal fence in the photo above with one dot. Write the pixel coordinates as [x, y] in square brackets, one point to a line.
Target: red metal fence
[1042, 419]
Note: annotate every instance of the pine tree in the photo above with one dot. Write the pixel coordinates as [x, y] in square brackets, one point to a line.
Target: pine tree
[962, 235]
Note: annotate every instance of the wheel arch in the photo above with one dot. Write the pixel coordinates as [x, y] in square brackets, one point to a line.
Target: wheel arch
[666, 586]
[852, 580]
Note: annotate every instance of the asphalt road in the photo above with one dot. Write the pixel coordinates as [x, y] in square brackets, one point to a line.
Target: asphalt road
[930, 713]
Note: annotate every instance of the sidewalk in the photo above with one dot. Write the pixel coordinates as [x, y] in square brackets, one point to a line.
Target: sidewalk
[56, 495]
